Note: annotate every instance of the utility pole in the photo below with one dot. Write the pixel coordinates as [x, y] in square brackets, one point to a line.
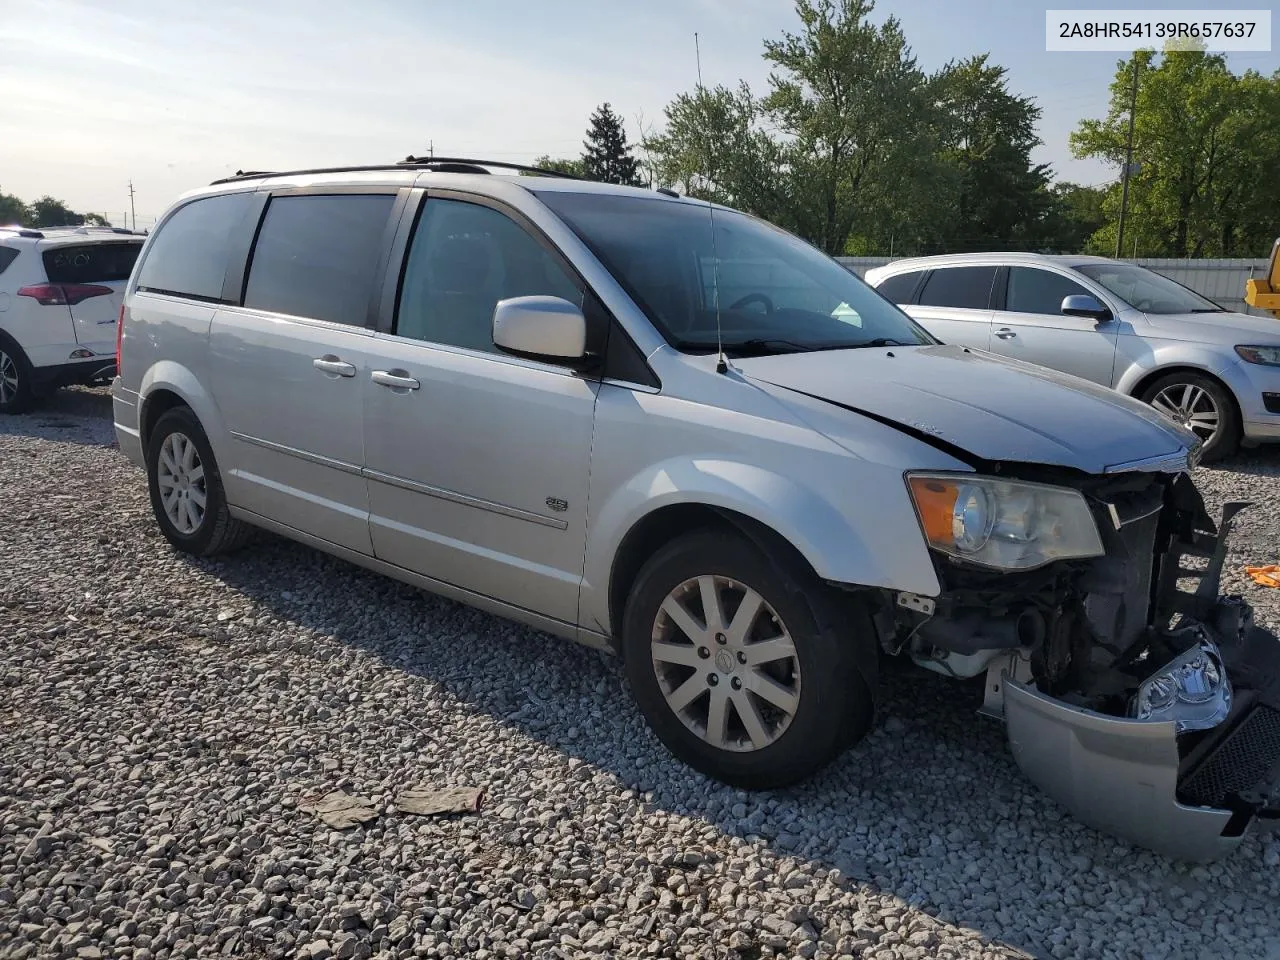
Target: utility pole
[131, 209]
[1128, 160]
[697, 52]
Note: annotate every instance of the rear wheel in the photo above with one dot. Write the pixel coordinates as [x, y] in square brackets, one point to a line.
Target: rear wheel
[1202, 405]
[16, 394]
[186, 488]
[739, 664]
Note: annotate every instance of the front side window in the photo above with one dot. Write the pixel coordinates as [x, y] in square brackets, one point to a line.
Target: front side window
[188, 256]
[964, 287]
[91, 262]
[692, 270]
[1039, 291]
[317, 256]
[463, 259]
[1147, 291]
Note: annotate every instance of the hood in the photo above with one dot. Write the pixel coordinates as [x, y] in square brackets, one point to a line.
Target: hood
[990, 407]
[1226, 329]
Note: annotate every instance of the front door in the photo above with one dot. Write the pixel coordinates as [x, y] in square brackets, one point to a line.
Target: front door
[1032, 327]
[477, 462]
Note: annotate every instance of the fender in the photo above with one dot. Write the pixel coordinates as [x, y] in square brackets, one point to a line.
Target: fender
[825, 537]
[176, 378]
[1167, 354]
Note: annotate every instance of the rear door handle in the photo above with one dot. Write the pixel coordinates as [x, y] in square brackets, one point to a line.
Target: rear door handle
[1004, 333]
[394, 380]
[334, 366]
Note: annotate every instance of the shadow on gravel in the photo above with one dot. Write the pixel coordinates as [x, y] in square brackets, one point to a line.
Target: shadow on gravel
[79, 415]
[930, 808]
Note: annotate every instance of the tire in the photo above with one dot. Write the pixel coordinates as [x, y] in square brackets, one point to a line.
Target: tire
[16, 393]
[191, 473]
[829, 678]
[1182, 395]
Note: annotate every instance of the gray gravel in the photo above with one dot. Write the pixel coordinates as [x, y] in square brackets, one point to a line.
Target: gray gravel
[162, 719]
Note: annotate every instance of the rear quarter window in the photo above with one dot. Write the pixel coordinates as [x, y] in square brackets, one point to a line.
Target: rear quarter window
[7, 256]
[188, 256]
[91, 262]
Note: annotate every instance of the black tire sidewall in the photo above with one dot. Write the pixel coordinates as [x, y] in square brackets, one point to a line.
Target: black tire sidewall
[181, 420]
[1228, 437]
[26, 393]
[835, 699]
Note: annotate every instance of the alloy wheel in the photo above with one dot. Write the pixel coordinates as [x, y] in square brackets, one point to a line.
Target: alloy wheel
[180, 476]
[8, 378]
[1190, 406]
[726, 663]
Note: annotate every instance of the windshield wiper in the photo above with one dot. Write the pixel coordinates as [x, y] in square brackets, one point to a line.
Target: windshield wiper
[1208, 310]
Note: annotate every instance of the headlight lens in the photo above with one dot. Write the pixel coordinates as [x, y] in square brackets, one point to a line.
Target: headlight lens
[1267, 356]
[1004, 524]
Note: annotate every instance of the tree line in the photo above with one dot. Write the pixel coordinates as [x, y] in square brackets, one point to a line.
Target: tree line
[45, 212]
[859, 150]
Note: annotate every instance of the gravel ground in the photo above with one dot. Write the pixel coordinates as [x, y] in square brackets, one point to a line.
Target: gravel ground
[162, 719]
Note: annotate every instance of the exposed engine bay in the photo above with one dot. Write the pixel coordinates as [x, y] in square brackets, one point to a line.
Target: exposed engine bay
[1133, 692]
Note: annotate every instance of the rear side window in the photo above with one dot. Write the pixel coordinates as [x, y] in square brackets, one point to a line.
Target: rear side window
[317, 256]
[966, 287]
[91, 262]
[188, 257]
[899, 287]
[7, 256]
[1039, 291]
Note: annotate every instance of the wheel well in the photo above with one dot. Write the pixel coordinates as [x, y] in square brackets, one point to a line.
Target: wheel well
[662, 526]
[1142, 385]
[158, 404]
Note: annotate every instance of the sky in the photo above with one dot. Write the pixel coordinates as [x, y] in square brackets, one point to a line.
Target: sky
[171, 94]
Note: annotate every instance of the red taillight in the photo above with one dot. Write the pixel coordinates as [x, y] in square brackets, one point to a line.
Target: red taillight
[119, 336]
[64, 294]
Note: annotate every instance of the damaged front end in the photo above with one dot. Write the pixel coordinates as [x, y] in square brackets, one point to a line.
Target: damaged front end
[1132, 692]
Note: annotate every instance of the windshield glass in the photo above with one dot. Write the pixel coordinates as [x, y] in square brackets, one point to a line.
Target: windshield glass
[1147, 291]
[776, 294]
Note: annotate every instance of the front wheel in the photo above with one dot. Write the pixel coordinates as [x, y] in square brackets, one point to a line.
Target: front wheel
[737, 665]
[1203, 406]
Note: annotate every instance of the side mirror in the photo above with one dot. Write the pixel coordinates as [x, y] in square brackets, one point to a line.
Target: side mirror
[1083, 305]
[541, 328]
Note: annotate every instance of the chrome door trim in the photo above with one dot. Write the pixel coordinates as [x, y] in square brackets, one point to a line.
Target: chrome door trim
[306, 455]
[441, 493]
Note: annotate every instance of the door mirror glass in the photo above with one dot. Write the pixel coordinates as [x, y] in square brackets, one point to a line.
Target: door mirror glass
[1084, 305]
[541, 327]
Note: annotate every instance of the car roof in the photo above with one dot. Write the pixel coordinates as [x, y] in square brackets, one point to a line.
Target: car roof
[1012, 259]
[63, 235]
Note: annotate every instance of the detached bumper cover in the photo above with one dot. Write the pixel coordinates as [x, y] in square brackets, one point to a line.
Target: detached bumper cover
[1191, 797]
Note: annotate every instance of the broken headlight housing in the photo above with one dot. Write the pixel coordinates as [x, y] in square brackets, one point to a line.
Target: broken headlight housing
[1005, 524]
[1192, 690]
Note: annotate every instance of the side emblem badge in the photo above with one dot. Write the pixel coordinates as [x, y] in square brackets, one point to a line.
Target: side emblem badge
[558, 505]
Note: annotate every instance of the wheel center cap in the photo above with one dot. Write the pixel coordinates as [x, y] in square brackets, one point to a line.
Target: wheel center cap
[724, 661]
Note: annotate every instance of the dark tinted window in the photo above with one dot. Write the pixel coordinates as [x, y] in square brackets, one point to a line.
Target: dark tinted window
[899, 287]
[958, 287]
[317, 256]
[1039, 291]
[91, 262]
[7, 256]
[464, 259]
[189, 255]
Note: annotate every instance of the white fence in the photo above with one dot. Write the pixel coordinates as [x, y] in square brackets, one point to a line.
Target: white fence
[1222, 281]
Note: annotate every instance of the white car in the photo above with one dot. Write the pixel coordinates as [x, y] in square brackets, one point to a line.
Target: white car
[1215, 372]
[60, 296]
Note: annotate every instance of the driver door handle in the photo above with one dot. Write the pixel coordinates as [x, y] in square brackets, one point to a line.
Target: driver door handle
[1004, 333]
[394, 381]
[332, 365]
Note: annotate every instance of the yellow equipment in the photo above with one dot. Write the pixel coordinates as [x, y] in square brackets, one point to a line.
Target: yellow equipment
[1265, 294]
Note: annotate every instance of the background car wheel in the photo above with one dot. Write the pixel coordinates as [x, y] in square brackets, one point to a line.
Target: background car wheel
[186, 488]
[1201, 404]
[15, 378]
[742, 666]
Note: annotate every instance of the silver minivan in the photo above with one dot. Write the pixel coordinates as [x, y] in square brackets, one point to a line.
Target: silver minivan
[675, 432]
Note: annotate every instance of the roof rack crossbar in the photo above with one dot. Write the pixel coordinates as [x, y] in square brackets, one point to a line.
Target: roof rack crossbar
[453, 164]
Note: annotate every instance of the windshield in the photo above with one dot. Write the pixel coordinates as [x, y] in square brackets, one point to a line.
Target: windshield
[1147, 291]
[776, 294]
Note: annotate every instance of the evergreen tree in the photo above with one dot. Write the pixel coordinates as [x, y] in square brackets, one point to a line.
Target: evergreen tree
[607, 156]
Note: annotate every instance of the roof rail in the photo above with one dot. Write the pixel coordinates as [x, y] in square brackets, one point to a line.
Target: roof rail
[438, 164]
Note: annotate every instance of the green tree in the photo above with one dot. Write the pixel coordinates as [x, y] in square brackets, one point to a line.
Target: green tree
[96, 220]
[1205, 148]
[1075, 214]
[606, 155]
[12, 210]
[560, 165]
[48, 212]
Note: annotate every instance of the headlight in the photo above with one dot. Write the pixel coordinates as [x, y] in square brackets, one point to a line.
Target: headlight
[1192, 690]
[1267, 356]
[1004, 524]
